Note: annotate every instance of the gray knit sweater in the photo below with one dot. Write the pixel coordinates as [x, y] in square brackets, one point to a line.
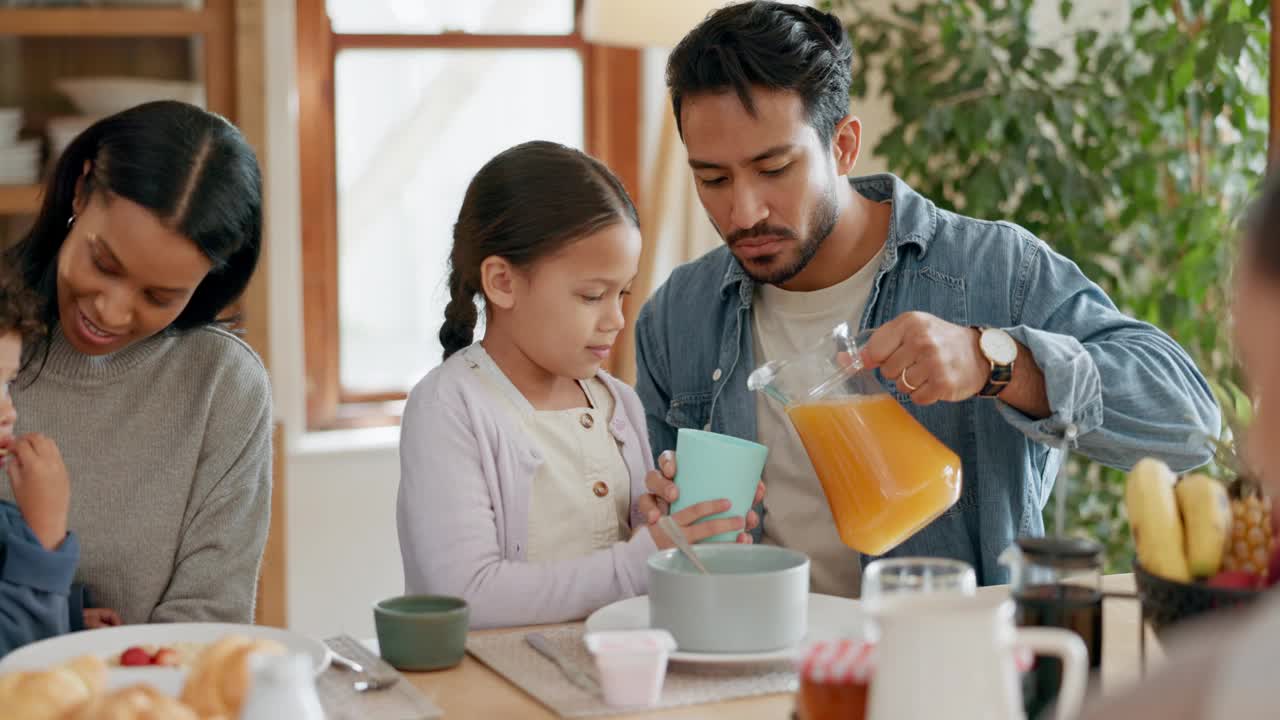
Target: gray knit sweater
[168, 446]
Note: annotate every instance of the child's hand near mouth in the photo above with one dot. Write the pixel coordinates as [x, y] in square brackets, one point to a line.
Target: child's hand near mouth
[41, 488]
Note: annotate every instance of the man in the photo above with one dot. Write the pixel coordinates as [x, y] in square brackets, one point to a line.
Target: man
[998, 345]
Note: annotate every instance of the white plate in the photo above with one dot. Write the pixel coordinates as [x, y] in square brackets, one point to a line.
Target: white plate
[110, 642]
[107, 95]
[829, 617]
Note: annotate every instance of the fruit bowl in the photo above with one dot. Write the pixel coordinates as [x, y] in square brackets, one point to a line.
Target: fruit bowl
[1166, 603]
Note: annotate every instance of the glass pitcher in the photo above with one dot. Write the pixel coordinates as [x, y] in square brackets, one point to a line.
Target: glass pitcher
[885, 476]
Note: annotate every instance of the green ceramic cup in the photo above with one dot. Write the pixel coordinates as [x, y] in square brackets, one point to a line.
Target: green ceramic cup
[710, 466]
[422, 632]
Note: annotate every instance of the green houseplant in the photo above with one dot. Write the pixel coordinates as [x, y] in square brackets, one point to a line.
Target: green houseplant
[1131, 144]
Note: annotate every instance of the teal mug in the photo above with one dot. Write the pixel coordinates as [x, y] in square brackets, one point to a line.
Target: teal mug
[417, 633]
[711, 466]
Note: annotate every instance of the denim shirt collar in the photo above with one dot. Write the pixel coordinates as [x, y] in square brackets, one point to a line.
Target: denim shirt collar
[914, 222]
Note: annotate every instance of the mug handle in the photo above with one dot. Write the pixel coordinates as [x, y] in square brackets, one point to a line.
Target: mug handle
[1070, 649]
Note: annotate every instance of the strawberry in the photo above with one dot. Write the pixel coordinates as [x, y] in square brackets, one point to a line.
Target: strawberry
[167, 657]
[1273, 575]
[134, 657]
[1235, 579]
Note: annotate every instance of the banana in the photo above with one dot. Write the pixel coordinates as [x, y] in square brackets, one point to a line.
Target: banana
[1206, 519]
[1157, 525]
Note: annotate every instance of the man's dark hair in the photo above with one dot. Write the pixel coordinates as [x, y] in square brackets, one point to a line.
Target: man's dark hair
[771, 45]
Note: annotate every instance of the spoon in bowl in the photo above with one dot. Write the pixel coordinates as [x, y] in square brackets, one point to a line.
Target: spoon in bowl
[674, 532]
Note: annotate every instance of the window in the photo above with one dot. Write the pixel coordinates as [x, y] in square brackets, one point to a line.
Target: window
[400, 103]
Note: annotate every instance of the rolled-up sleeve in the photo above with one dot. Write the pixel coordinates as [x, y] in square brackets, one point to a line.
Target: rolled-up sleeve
[1118, 389]
[34, 582]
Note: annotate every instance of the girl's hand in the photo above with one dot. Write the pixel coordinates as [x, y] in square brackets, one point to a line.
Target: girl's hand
[689, 522]
[663, 492]
[41, 488]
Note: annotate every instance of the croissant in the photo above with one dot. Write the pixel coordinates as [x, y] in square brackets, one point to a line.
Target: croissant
[139, 702]
[51, 694]
[219, 680]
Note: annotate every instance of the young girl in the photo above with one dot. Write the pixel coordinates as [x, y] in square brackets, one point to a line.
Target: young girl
[521, 461]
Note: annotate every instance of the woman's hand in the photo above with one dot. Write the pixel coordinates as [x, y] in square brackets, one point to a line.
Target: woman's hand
[95, 618]
[663, 492]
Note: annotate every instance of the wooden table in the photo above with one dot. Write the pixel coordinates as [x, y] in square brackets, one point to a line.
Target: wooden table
[473, 690]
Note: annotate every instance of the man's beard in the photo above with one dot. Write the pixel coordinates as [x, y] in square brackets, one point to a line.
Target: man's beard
[822, 221]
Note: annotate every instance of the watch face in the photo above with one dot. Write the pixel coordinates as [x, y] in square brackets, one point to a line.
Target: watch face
[999, 347]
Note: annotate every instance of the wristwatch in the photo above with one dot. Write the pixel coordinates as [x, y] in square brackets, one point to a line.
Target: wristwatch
[1000, 350]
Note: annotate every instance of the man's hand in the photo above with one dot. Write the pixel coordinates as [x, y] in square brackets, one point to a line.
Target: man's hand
[928, 358]
[932, 360]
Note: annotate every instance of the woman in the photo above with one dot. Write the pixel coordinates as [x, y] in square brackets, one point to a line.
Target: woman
[1225, 668]
[149, 231]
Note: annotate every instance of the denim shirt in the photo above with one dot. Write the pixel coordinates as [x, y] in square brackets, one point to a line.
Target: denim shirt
[1119, 389]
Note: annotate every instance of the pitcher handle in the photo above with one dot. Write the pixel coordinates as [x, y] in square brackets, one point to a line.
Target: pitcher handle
[1070, 649]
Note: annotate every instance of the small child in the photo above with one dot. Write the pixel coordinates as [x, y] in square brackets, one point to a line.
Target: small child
[521, 461]
[37, 555]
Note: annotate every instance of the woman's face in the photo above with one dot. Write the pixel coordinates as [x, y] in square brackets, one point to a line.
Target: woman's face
[123, 275]
[1256, 307]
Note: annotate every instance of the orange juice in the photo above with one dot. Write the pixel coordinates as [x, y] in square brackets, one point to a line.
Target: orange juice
[884, 474]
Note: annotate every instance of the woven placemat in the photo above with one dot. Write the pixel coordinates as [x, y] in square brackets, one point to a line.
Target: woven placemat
[401, 701]
[687, 684]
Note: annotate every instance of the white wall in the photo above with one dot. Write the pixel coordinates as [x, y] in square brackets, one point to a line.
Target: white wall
[343, 551]
[341, 543]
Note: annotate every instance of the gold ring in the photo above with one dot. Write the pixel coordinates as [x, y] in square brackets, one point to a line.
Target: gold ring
[907, 382]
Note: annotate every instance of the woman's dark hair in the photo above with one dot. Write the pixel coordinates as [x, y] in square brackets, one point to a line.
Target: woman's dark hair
[771, 45]
[1262, 231]
[528, 202]
[19, 308]
[192, 168]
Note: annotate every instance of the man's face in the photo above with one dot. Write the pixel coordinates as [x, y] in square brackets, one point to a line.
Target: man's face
[767, 181]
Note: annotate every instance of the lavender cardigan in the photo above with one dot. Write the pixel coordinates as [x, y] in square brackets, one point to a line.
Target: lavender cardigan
[463, 508]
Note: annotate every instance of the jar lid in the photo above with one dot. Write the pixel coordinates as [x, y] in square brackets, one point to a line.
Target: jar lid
[834, 662]
[1061, 552]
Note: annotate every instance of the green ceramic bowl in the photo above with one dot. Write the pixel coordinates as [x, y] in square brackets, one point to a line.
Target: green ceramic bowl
[422, 632]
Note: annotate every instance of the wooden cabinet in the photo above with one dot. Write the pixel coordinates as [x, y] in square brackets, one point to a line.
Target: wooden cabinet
[40, 45]
[19, 199]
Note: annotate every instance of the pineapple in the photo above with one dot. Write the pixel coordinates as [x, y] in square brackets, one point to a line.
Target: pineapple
[1251, 534]
[1249, 547]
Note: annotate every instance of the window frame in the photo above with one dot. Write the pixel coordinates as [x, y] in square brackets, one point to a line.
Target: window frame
[611, 93]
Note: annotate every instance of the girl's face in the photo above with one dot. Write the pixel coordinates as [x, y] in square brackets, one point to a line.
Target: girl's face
[123, 275]
[566, 309]
[10, 361]
[1257, 305]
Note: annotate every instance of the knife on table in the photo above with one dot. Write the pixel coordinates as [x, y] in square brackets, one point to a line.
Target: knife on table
[575, 674]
